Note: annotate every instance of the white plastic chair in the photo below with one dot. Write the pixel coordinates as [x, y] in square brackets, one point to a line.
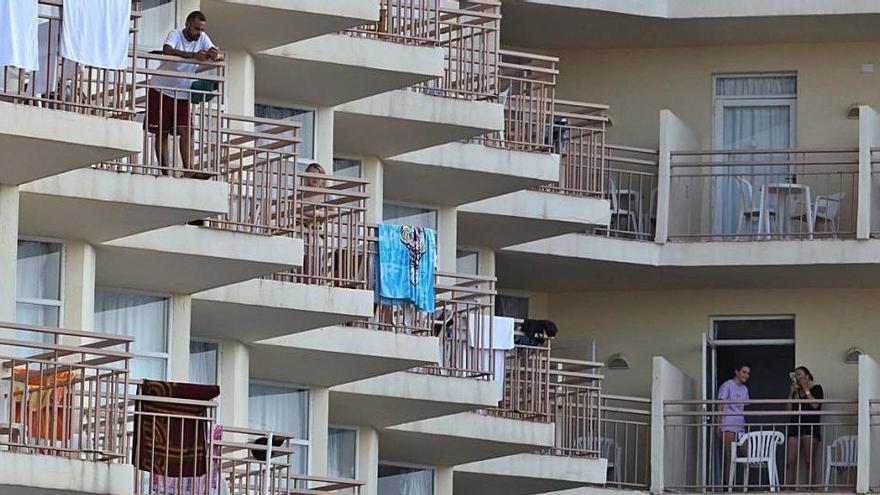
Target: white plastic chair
[630, 211]
[748, 210]
[613, 453]
[14, 431]
[760, 453]
[826, 208]
[843, 453]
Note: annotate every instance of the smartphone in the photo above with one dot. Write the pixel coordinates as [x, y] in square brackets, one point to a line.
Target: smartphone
[791, 377]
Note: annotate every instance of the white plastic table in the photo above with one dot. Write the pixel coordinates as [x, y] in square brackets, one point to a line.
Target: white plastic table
[782, 191]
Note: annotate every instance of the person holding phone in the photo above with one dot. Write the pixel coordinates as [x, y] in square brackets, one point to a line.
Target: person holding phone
[733, 423]
[804, 431]
[168, 99]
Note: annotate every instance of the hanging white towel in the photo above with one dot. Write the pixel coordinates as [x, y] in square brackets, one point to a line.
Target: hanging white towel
[501, 342]
[18, 34]
[96, 32]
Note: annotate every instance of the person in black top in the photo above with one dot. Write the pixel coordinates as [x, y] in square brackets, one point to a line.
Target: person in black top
[804, 432]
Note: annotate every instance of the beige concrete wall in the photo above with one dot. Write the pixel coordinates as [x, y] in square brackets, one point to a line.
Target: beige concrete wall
[637, 83]
[644, 324]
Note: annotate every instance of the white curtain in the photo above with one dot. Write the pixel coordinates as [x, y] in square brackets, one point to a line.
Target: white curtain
[409, 215]
[38, 277]
[203, 362]
[342, 453]
[283, 409]
[762, 86]
[395, 480]
[749, 127]
[143, 317]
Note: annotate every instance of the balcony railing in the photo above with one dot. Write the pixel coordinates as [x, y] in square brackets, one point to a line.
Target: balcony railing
[526, 383]
[763, 194]
[182, 126]
[210, 459]
[779, 449]
[631, 189]
[257, 158]
[578, 137]
[462, 320]
[63, 392]
[63, 84]
[625, 441]
[527, 89]
[874, 429]
[470, 38]
[575, 390]
[413, 22]
[330, 217]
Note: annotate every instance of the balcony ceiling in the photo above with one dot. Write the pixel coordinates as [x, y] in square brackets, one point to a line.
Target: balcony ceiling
[576, 262]
[560, 24]
[39, 143]
[320, 71]
[256, 25]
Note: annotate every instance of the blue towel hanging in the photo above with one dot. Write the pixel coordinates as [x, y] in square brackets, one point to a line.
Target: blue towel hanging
[405, 272]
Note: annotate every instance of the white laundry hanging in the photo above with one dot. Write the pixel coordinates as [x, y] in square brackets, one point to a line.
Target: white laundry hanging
[96, 32]
[18, 34]
[501, 341]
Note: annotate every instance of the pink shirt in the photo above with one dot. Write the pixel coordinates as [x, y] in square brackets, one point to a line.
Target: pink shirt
[733, 390]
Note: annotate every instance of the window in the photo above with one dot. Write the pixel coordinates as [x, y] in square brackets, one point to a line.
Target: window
[38, 283]
[342, 453]
[283, 408]
[410, 215]
[306, 119]
[204, 359]
[346, 167]
[403, 480]
[467, 262]
[142, 316]
[752, 112]
[512, 306]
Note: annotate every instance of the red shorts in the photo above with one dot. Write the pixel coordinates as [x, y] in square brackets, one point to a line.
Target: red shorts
[167, 115]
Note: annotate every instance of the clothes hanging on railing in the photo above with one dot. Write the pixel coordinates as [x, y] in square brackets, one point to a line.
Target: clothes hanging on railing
[168, 485]
[497, 339]
[186, 437]
[18, 34]
[96, 40]
[405, 271]
[43, 408]
[536, 332]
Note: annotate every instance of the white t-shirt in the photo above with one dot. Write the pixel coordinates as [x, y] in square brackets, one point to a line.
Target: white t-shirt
[177, 40]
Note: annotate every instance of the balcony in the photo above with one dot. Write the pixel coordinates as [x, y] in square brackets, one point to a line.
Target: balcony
[60, 411]
[400, 50]
[779, 194]
[153, 188]
[178, 443]
[458, 377]
[255, 25]
[518, 157]
[326, 212]
[65, 115]
[458, 105]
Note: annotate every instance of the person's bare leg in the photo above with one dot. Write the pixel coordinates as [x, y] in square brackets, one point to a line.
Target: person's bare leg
[160, 143]
[791, 462]
[727, 437]
[809, 445]
[185, 135]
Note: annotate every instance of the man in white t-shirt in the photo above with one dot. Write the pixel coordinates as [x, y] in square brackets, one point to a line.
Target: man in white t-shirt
[168, 99]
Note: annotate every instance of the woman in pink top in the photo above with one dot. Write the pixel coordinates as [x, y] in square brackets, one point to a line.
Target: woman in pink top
[732, 423]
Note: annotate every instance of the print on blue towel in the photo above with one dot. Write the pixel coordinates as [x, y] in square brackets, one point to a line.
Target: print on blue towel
[405, 272]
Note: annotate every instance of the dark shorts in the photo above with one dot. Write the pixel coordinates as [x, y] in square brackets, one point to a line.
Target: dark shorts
[798, 431]
[167, 115]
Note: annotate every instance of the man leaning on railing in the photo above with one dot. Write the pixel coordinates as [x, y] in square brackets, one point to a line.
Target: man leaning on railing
[168, 108]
